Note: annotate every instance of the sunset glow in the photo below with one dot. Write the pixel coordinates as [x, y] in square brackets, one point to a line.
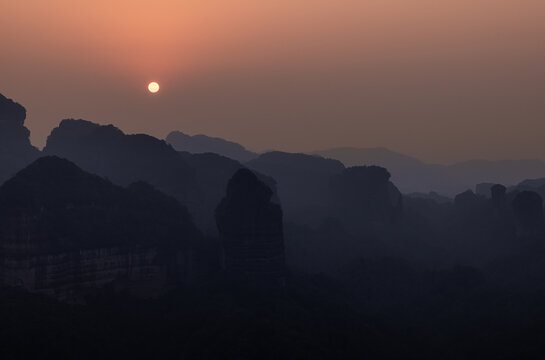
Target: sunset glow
[448, 66]
[153, 87]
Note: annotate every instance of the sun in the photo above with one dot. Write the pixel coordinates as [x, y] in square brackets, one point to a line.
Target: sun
[153, 87]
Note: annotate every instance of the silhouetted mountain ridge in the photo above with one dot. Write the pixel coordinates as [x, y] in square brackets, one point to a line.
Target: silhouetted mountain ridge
[197, 144]
[380, 156]
[414, 176]
[533, 183]
[124, 159]
[410, 174]
[53, 205]
[16, 150]
[197, 180]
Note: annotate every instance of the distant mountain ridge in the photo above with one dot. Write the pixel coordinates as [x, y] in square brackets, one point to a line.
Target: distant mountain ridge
[142, 157]
[413, 175]
[198, 144]
[381, 156]
[410, 174]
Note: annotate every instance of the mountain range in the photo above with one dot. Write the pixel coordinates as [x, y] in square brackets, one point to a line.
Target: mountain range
[411, 175]
[197, 144]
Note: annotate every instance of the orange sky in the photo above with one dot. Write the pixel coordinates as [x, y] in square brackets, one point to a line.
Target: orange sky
[439, 79]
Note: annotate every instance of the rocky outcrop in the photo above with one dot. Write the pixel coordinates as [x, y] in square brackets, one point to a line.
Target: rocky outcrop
[212, 174]
[63, 230]
[251, 229]
[15, 149]
[70, 276]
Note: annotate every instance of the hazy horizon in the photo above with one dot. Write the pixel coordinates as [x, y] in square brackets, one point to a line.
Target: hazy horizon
[443, 82]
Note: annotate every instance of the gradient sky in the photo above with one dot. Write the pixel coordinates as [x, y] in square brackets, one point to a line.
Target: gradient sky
[443, 80]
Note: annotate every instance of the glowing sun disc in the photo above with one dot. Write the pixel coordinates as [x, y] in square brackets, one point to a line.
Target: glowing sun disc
[153, 87]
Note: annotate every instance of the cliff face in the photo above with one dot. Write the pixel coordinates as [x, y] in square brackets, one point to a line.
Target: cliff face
[63, 230]
[251, 229]
[68, 276]
[15, 149]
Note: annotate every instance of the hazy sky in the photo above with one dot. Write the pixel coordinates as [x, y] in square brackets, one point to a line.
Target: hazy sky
[443, 80]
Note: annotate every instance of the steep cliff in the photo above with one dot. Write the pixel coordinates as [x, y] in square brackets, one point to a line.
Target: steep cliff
[251, 229]
[15, 149]
[62, 228]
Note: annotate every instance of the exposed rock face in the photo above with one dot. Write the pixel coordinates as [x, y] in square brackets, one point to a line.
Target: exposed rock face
[69, 276]
[63, 230]
[251, 229]
[15, 149]
[199, 144]
[363, 195]
[528, 208]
